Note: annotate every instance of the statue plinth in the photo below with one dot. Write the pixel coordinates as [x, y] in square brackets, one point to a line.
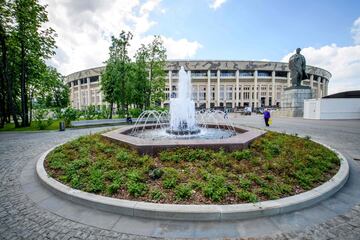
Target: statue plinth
[292, 101]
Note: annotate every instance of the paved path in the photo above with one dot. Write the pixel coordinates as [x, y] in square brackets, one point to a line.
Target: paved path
[29, 211]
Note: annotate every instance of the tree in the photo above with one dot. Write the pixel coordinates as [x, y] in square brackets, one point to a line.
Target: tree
[156, 63]
[139, 79]
[7, 94]
[115, 78]
[34, 46]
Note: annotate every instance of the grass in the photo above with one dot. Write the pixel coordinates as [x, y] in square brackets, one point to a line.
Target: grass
[33, 127]
[275, 166]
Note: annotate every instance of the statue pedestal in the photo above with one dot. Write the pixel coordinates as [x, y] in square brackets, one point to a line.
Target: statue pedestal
[292, 101]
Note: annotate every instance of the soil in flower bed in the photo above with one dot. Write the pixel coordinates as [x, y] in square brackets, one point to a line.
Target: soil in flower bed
[275, 166]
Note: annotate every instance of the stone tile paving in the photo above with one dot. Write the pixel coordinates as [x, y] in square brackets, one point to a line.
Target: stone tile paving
[20, 218]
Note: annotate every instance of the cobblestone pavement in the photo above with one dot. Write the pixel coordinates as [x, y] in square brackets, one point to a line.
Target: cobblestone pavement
[20, 218]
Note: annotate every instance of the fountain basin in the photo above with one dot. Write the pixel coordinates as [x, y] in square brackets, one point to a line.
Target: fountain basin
[243, 137]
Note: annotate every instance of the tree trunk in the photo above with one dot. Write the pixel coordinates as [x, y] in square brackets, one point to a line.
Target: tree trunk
[111, 110]
[9, 95]
[30, 107]
[24, 100]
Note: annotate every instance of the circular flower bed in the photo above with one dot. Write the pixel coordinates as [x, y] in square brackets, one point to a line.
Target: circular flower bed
[275, 166]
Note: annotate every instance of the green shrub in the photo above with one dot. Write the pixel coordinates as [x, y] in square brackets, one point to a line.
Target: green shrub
[245, 183]
[135, 112]
[135, 176]
[246, 196]
[70, 114]
[216, 188]
[96, 181]
[136, 189]
[114, 186]
[157, 194]
[42, 119]
[242, 155]
[182, 192]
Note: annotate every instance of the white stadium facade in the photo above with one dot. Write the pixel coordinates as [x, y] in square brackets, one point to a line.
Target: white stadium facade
[230, 84]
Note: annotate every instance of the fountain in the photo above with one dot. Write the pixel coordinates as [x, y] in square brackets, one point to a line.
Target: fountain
[182, 109]
[183, 126]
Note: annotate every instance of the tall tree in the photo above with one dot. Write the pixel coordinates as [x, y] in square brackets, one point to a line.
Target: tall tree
[7, 101]
[139, 79]
[156, 63]
[35, 45]
[115, 78]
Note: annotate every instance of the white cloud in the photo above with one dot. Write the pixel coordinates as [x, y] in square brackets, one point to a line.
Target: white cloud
[355, 30]
[182, 48]
[342, 62]
[215, 4]
[84, 30]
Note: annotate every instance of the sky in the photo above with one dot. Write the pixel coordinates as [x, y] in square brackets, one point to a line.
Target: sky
[327, 31]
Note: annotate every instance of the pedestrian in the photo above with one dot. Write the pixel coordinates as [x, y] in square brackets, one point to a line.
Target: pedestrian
[267, 117]
[226, 114]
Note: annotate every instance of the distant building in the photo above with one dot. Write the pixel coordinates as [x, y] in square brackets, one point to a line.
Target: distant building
[228, 84]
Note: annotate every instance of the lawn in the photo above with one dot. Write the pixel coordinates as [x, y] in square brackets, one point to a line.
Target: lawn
[275, 166]
[33, 127]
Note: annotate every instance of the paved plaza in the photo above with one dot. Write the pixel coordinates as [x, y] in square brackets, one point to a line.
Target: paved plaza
[30, 211]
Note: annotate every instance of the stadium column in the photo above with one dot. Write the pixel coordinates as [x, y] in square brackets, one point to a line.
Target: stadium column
[88, 92]
[100, 92]
[288, 79]
[311, 81]
[170, 84]
[324, 87]
[236, 97]
[218, 88]
[255, 88]
[319, 87]
[79, 94]
[72, 94]
[273, 92]
[208, 89]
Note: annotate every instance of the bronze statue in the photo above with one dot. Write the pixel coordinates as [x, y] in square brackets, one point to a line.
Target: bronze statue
[297, 66]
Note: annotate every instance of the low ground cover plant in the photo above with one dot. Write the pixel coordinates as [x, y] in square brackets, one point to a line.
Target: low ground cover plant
[274, 166]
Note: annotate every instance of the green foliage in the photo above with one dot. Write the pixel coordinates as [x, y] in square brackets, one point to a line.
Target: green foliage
[94, 164]
[215, 188]
[42, 119]
[170, 178]
[136, 189]
[90, 112]
[246, 196]
[242, 155]
[70, 114]
[156, 194]
[183, 191]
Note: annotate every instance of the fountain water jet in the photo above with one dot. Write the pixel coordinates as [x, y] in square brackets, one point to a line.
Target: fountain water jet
[182, 109]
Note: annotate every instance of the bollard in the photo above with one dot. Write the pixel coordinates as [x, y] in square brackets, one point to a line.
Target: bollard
[62, 126]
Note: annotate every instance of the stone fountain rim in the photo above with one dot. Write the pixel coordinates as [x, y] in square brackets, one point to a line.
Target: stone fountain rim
[197, 212]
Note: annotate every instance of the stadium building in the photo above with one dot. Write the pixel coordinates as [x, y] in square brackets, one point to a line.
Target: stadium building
[230, 84]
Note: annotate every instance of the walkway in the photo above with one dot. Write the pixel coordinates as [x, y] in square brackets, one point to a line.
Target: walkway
[29, 211]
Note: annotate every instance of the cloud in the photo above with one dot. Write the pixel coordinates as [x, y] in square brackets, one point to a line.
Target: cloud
[180, 49]
[215, 4]
[342, 62]
[355, 30]
[84, 30]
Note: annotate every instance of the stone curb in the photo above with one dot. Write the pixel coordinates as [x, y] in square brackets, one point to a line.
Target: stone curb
[198, 212]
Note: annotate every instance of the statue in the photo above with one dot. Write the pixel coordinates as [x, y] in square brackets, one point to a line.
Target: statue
[297, 66]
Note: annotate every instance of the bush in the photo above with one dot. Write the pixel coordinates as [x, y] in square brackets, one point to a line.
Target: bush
[136, 189]
[70, 114]
[246, 196]
[157, 194]
[216, 188]
[135, 112]
[90, 112]
[182, 192]
[42, 120]
[170, 178]
[240, 155]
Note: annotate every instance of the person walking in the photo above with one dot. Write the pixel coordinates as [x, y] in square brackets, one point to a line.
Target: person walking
[267, 117]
